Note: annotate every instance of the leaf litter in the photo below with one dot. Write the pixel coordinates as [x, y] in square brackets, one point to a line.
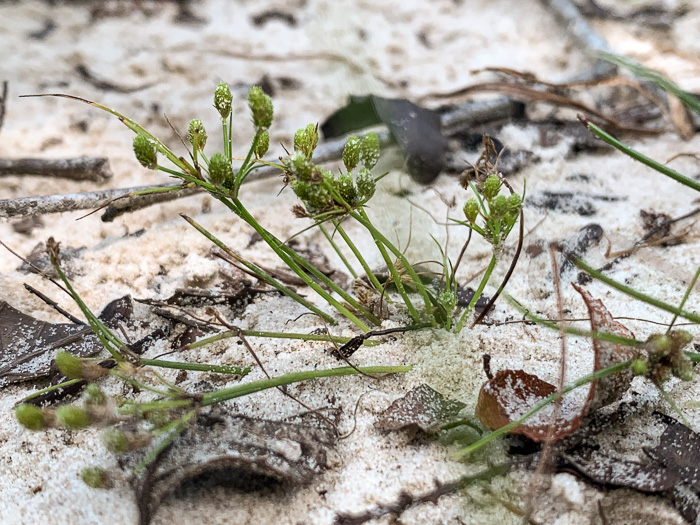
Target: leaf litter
[237, 451]
[28, 345]
[509, 394]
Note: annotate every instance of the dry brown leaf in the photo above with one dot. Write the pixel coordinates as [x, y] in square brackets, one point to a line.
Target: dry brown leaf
[611, 388]
[509, 394]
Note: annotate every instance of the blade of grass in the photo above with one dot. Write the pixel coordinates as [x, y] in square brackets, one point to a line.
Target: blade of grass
[634, 293]
[656, 77]
[218, 396]
[665, 170]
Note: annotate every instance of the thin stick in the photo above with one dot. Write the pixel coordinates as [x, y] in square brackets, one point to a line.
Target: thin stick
[53, 304]
[547, 449]
[94, 169]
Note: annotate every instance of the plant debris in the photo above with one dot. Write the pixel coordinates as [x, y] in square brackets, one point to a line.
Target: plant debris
[422, 408]
[415, 129]
[668, 465]
[235, 450]
[568, 202]
[511, 393]
[28, 346]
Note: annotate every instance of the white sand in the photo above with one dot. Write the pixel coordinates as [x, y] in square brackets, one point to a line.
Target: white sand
[39, 480]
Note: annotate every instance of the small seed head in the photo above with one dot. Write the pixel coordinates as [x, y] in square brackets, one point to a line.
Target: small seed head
[499, 207]
[145, 151]
[94, 395]
[680, 338]
[260, 107]
[659, 344]
[471, 210]
[369, 150]
[366, 185]
[197, 135]
[300, 167]
[223, 100]
[306, 140]
[69, 365]
[515, 203]
[491, 187]
[640, 367]
[95, 477]
[72, 417]
[115, 440]
[30, 417]
[263, 144]
[682, 368]
[346, 187]
[351, 153]
[220, 170]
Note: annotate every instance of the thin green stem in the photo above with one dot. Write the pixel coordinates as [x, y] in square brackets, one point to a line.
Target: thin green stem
[291, 258]
[362, 218]
[685, 297]
[92, 320]
[663, 82]
[599, 374]
[276, 335]
[51, 388]
[197, 367]
[368, 271]
[661, 168]
[634, 293]
[218, 396]
[602, 336]
[478, 292]
[259, 272]
[337, 251]
[173, 430]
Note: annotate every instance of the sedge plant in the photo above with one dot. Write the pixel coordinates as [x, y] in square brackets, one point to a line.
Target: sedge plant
[328, 200]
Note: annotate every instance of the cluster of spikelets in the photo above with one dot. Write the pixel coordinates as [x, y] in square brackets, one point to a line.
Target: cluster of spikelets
[219, 167]
[665, 357]
[498, 213]
[318, 189]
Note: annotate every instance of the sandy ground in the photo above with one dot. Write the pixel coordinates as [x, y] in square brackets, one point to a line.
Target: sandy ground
[432, 49]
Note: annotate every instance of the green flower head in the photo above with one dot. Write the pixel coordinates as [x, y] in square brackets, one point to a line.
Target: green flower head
[260, 107]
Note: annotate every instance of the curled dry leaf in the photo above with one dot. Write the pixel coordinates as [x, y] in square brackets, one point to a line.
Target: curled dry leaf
[509, 394]
[422, 407]
[238, 451]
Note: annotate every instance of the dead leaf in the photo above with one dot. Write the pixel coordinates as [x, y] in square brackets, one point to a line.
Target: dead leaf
[237, 450]
[611, 388]
[509, 394]
[422, 407]
[28, 346]
[669, 465]
[416, 130]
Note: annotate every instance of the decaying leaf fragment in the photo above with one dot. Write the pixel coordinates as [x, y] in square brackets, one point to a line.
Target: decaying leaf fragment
[668, 464]
[509, 394]
[28, 345]
[235, 450]
[422, 407]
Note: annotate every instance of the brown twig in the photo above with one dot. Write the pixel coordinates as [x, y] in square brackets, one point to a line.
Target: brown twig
[94, 169]
[53, 304]
[105, 85]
